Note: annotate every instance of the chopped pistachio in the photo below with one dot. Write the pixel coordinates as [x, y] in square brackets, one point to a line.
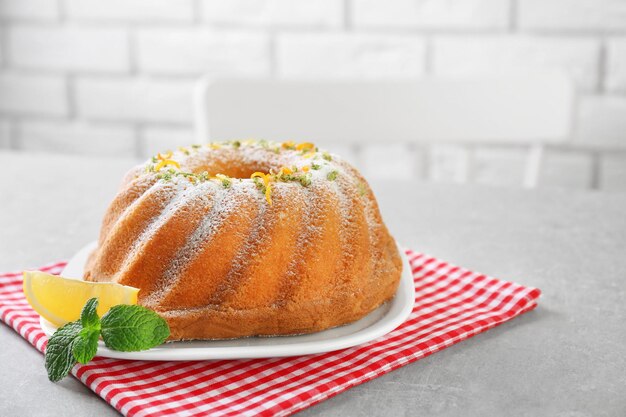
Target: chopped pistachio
[315, 166]
[165, 175]
[196, 146]
[236, 144]
[259, 183]
[225, 180]
[327, 156]
[362, 189]
[305, 180]
[332, 175]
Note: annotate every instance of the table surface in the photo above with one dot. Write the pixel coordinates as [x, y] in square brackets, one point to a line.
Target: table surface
[566, 358]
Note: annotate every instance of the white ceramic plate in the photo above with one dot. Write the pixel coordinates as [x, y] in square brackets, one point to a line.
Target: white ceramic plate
[378, 323]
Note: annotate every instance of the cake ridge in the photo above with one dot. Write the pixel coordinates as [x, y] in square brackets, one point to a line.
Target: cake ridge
[234, 276]
[112, 235]
[189, 248]
[215, 222]
[164, 215]
[129, 194]
[287, 278]
[155, 234]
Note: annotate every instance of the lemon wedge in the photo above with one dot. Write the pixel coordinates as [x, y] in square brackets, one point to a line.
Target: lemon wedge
[60, 300]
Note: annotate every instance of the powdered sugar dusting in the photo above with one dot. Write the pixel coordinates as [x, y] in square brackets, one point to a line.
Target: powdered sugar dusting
[197, 187]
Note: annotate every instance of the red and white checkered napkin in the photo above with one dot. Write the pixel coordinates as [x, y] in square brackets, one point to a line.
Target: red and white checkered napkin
[451, 304]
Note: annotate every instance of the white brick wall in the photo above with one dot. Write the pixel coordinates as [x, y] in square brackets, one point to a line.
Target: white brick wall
[198, 51]
[147, 11]
[5, 133]
[388, 161]
[601, 15]
[602, 122]
[28, 9]
[616, 65]
[462, 54]
[135, 99]
[76, 137]
[161, 139]
[432, 14]
[343, 55]
[115, 77]
[68, 48]
[285, 13]
[32, 94]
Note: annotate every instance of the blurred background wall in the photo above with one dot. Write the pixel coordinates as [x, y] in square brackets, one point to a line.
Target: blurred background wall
[114, 77]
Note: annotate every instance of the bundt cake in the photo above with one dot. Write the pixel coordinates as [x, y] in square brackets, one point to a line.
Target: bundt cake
[246, 238]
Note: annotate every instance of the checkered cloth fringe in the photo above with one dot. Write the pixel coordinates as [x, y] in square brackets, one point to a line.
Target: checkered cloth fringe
[451, 304]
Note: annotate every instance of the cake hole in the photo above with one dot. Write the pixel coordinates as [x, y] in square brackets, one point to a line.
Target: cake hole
[233, 163]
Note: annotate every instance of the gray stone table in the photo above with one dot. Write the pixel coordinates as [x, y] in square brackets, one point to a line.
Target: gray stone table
[566, 358]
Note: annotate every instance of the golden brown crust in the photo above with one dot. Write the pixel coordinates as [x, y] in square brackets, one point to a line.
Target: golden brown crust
[221, 262]
[293, 318]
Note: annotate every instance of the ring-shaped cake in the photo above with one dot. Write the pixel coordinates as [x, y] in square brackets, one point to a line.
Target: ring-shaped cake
[248, 238]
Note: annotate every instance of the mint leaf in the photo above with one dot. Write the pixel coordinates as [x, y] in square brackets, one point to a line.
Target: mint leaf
[88, 316]
[126, 328]
[86, 345]
[130, 328]
[59, 358]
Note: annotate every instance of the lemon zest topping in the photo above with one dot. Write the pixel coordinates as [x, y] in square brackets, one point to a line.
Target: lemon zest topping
[266, 182]
[224, 179]
[293, 173]
[305, 146]
[165, 162]
[268, 193]
[286, 171]
[168, 155]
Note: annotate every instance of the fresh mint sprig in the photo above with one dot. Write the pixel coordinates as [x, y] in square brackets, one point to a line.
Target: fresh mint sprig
[59, 356]
[127, 328]
[86, 344]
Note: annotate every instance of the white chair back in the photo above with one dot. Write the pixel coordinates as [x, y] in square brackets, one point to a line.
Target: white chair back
[528, 108]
